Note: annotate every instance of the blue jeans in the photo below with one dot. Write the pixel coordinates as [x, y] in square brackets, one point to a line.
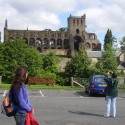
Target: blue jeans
[110, 103]
[20, 118]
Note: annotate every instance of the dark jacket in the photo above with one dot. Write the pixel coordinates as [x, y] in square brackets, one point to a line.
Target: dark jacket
[111, 89]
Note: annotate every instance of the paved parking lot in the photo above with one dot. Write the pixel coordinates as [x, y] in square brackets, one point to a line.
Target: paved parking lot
[61, 107]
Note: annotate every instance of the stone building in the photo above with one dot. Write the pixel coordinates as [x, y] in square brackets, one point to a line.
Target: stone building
[62, 41]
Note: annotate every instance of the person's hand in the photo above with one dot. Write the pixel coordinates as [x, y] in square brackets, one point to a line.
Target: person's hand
[32, 111]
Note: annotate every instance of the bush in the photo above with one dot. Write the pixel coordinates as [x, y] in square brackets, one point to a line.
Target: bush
[62, 80]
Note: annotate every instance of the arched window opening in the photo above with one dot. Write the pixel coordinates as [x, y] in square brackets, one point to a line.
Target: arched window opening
[38, 42]
[25, 40]
[45, 42]
[32, 42]
[66, 44]
[59, 43]
[52, 43]
[87, 46]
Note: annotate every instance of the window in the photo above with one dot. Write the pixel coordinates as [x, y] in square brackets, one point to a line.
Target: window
[99, 79]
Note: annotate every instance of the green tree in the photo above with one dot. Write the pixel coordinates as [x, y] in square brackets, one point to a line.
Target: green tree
[14, 53]
[109, 39]
[1, 59]
[79, 65]
[108, 61]
[33, 61]
[62, 29]
[50, 62]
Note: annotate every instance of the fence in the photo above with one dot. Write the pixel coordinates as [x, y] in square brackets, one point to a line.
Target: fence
[78, 81]
[81, 81]
[38, 80]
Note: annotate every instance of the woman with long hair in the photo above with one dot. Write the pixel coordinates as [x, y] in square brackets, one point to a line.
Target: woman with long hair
[20, 94]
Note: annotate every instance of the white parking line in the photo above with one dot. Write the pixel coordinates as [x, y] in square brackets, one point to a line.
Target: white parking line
[121, 98]
[41, 93]
[78, 94]
[4, 93]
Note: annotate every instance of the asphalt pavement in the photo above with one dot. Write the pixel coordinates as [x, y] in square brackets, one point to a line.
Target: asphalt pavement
[61, 107]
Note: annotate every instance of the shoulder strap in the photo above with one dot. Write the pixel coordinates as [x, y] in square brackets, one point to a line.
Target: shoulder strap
[12, 96]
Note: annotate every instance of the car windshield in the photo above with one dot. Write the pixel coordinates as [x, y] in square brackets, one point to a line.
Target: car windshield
[99, 79]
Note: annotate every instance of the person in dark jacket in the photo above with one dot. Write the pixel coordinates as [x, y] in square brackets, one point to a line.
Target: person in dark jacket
[20, 93]
[111, 94]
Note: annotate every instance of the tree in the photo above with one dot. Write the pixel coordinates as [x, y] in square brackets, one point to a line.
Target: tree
[33, 61]
[79, 65]
[108, 61]
[47, 30]
[14, 53]
[62, 29]
[109, 39]
[50, 62]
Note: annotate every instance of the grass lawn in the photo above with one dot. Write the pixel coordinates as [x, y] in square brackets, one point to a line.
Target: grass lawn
[7, 86]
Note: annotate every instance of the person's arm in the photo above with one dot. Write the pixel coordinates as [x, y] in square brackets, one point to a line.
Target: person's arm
[107, 80]
[114, 83]
[24, 103]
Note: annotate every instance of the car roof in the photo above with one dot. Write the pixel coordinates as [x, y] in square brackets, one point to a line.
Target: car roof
[99, 76]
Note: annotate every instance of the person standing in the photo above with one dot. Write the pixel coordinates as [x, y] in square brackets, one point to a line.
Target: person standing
[111, 94]
[20, 93]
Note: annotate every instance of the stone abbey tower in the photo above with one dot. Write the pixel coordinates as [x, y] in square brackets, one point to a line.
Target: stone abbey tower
[64, 40]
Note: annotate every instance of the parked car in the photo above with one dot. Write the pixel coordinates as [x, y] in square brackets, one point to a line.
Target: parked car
[95, 85]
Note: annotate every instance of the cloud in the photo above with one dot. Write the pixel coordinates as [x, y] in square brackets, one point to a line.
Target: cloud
[53, 6]
[100, 18]
[40, 14]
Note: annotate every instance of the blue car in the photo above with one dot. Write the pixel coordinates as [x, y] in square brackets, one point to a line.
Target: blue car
[96, 85]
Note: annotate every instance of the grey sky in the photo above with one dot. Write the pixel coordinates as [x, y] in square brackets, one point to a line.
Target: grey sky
[52, 14]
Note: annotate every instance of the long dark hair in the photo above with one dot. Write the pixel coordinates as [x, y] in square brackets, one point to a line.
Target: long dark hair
[19, 78]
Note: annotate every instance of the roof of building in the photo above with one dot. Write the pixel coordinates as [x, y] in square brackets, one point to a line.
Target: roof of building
[118, 53]
[98, 54]
[94, 54]
[121, 66]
